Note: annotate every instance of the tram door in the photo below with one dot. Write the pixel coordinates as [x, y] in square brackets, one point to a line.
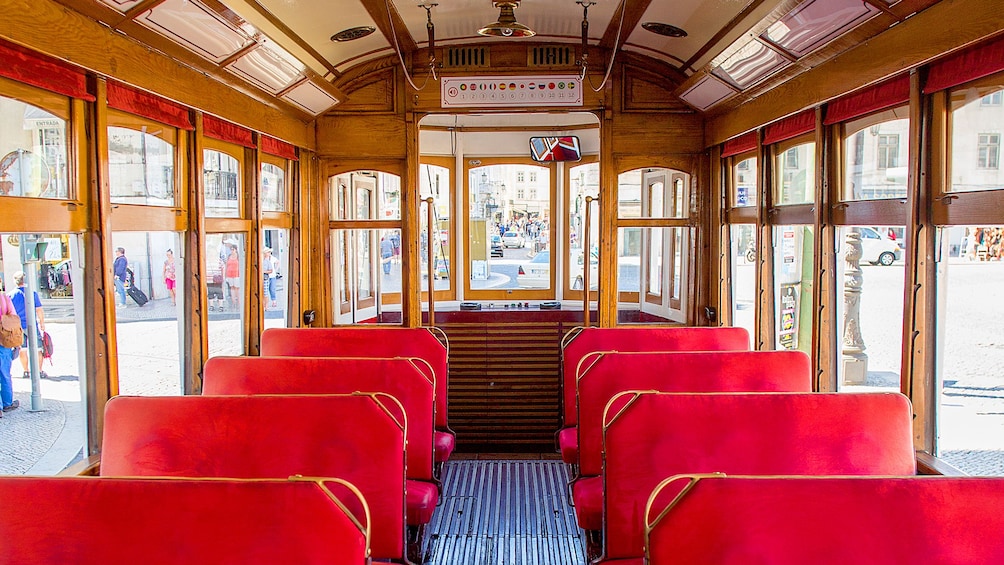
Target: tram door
[664, 253]
[355, 257]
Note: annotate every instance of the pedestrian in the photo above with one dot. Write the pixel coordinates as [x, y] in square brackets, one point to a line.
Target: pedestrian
[6, 360]
[386, 253]
[269, 266]
[170, 275]
[232, 274]
[19, 300]
[120, 267]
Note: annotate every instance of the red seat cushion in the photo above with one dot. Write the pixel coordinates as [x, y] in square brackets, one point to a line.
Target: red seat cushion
[568, 443]
[421, 499]
[445, 443]
[587, 493]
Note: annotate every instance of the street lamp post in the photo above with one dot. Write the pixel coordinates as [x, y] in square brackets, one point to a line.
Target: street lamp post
[855, 360]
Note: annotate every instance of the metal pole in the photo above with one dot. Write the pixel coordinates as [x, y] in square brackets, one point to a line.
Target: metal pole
[431, 229]
[29, 314]
[586, 258]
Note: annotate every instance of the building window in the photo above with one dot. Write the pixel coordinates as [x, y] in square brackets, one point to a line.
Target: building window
[519, 193]
[519, 176]
[533, 176]
[791, 158]
[533, 194]
[888, 151]
[988, 150]
[994, 99]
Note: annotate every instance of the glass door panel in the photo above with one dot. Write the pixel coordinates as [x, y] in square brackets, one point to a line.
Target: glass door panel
[226, 275]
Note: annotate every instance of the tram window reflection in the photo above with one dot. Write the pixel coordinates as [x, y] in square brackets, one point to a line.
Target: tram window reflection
[147, 314]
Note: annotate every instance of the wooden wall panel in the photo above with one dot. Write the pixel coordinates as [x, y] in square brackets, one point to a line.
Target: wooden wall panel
[362, 136]
[504, 392]
[657, 134]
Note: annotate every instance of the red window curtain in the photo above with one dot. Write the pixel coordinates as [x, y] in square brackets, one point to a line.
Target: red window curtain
[225, 131]
[736, 145]
[135, 101]
[273, 146]
[969, 64]
[879, 97]
[36, 69]
[792, 126]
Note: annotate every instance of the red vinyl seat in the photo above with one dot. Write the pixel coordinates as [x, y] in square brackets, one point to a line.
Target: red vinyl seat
[650, 436]
[589, 340]
[357, 437]
[409, 380]
[827, 521]
[170, 521]
[365, 341]
[611, 373]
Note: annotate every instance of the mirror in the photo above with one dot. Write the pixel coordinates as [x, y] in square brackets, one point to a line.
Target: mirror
[563, 148]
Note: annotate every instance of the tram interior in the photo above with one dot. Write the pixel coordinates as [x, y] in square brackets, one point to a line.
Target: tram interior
[580, 281]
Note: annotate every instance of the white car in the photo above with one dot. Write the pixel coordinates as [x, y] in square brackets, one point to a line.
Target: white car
[513, 239]
[878, 249]
[536, 273]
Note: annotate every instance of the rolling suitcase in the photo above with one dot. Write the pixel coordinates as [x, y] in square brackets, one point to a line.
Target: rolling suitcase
[137, 295]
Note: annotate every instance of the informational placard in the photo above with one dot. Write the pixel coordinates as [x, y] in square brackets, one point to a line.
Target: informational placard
[787, 335]
[511, 91]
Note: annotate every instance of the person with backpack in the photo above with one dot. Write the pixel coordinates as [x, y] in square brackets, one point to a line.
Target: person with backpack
[6, 360]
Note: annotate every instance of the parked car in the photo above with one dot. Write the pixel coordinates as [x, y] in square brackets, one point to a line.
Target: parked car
[513, 239]
[877, 248]
[496, 249]
[536, 273]
[575, 271]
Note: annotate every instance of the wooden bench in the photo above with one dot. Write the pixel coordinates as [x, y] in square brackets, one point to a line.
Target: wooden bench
[365, 341]
[751, 434]
[169, 521]
[826, 520]
[409, 380]
[610, 373]
[583, 341]
[357, 437]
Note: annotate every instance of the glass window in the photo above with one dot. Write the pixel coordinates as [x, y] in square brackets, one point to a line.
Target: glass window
[226, 272]
[148, 315]
[744, 181]
[652, 193]
[522, 224]
[222, 184]
[584, 181]
[743, 241]
[870, 277]
[793, 287]
[273, 188]
[436, 181]
[33, 151]
[875, 156]
[795, 180]
[975, 138]
[970, 426]
[141, 164]
[274, 267]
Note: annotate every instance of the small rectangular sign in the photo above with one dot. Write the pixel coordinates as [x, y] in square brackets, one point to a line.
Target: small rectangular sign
[511, 91]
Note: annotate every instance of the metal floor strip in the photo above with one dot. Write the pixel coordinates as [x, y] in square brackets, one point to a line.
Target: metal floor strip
[504, 512]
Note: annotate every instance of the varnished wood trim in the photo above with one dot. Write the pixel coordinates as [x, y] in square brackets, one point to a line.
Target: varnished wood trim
[377, 10]
[89, 466]
[825, 331]
[633, 12]
[195, 345]
[135, 11]
[928, 464]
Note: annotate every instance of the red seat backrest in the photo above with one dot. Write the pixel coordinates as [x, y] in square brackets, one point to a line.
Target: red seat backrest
[357, 437]
[364, 341]
[745, 433]
[171, 521]
[865, 521]
[409, 380]
[732, 371]
[588, 340]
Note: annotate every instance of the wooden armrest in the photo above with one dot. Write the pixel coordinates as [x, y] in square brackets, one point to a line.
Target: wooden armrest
[928, 464]
[87, 467]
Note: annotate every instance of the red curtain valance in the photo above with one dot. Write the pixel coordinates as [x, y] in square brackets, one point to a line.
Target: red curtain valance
[36, 69]
[969, 64]
[225, 131]
[879, 97]
[141, 103]
[736, 145]
[273, 146]
[792, 126]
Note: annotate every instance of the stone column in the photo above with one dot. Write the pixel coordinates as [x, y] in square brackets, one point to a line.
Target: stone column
[855, 361]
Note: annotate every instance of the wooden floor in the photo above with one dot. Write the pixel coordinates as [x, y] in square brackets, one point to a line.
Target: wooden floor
[504, 512]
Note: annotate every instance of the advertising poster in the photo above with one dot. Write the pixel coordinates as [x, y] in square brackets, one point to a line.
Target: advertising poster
[788, 327]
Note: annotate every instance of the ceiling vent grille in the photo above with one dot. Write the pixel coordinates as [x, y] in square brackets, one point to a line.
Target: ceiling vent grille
[551, 56]
[467, 57]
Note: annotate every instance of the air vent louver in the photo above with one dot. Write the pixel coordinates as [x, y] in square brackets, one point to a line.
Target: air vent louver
[551, 56]
[467, 57]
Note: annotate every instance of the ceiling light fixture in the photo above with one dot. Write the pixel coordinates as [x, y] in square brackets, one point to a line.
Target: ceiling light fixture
[660, 28]
[506, 26]
[353, 33]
